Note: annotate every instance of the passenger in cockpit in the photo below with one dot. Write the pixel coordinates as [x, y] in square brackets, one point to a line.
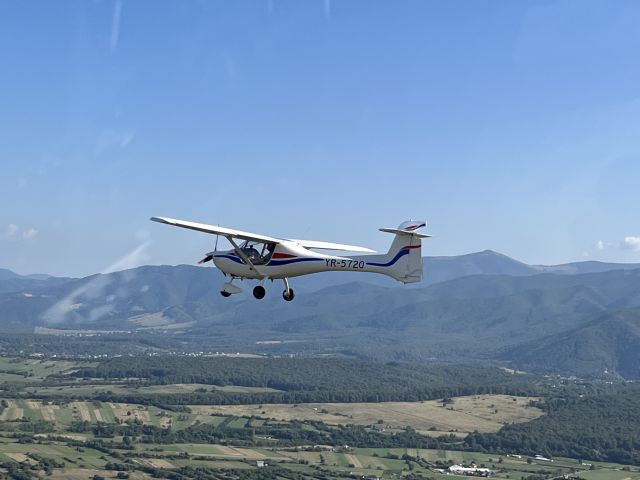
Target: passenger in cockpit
[268, 252]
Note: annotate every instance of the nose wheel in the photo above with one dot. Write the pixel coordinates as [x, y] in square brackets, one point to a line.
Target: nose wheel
[259, 292]
[229, 289]
[288, 294]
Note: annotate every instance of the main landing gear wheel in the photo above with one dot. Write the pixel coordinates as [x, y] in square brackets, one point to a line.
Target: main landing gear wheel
[288, 295]
[288, 291]
[225, 294]
[259, 292]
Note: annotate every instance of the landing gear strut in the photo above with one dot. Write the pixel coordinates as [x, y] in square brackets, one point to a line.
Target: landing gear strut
[288, 294]
[259, 292]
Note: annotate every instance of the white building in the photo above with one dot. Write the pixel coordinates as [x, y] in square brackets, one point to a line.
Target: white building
[470, 471]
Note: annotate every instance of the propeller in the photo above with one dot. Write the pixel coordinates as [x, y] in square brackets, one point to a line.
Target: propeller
[207, 258]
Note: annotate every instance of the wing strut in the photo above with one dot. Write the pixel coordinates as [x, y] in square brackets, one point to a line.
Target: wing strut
[242, 255]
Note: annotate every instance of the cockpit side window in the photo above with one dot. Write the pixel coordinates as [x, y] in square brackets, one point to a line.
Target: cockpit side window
[258, 253]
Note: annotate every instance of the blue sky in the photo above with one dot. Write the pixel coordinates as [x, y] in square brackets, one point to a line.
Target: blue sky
[513, 126]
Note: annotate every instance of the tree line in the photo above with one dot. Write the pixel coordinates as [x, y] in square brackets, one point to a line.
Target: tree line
[314, 379]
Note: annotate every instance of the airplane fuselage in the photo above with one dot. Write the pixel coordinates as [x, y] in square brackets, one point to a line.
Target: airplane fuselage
[291, 260]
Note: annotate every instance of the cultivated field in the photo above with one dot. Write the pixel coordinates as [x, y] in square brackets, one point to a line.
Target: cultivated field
[484, 413]
[381, 462]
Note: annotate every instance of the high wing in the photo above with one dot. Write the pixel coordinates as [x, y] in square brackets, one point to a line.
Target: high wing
[225, 232]
[331, 246]
[230, 232]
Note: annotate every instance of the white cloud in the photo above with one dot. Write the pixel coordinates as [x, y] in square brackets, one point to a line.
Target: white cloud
[631, 243]
[628, 243]
[29, 233]
[13, 232]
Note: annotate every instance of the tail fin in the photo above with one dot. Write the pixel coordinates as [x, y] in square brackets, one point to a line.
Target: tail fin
[404, 258]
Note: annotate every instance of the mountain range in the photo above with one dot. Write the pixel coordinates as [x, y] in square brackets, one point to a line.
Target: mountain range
[576, 319]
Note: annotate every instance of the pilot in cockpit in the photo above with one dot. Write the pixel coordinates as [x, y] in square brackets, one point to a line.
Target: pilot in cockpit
[254, 255]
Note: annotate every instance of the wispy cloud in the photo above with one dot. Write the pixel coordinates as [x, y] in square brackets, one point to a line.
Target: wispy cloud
[66, 308]
[29, 233]
[115, 26]
[14, 232]
[10, 231]
[134, 258]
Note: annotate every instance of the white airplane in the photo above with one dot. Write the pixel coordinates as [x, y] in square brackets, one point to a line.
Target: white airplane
[261, 257]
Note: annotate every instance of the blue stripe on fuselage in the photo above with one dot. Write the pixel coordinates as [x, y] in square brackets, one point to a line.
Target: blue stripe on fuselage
[230, 257]
[272, 263]
[392, 261]
[277, 263]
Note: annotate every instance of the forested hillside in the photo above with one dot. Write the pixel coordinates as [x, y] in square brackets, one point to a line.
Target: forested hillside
[611, 343]
[573, 324]
[315, 380]
[602, 427]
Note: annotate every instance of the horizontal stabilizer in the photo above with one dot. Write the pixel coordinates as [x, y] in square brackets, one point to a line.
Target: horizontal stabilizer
[397, 231]
[408, 228]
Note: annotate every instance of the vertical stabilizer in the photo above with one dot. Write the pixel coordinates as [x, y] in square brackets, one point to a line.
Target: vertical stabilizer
[403, 261]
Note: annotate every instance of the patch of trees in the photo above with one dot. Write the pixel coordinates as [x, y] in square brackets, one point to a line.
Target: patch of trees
[313, 379]
[37, 426]
[29, 470]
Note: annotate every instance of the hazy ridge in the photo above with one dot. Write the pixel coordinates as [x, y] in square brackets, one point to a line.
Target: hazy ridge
[579, 318]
